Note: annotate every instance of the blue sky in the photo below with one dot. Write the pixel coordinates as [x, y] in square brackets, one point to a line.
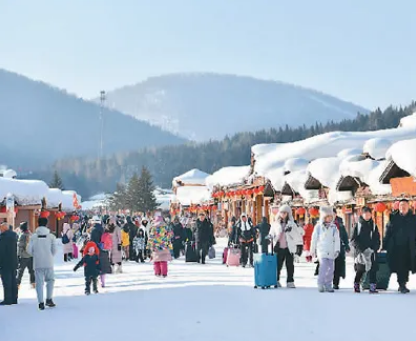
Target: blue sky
[359, 50]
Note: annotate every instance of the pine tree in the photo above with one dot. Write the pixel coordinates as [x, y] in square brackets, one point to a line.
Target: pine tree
[56, 181]
[147, 201]
[133, 194]
[118, 200]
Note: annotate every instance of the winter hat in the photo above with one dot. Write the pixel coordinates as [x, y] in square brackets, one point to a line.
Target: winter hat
[326, 211]
[23, 226]
[288, 210]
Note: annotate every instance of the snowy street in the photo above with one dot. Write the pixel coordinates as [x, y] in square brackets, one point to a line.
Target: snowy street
[211, 302]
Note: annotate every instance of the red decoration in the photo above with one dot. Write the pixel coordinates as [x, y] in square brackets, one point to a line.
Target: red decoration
[300, 211]
[44, 214]
[74, 218]
[313, 212]
[380, 207]
[3, 209]
[396, 205]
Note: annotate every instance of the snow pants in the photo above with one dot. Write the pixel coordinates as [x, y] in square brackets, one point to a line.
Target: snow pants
[8, 278]
[42, 276]
[161, 268]
[284, 256]
[326, 272]
[26, 263]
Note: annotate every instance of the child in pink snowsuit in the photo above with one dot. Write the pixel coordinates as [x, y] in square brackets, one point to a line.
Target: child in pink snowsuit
[159, 243]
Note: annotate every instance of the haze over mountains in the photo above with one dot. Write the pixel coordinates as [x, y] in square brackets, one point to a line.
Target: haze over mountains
[42, 124]
[203, 106]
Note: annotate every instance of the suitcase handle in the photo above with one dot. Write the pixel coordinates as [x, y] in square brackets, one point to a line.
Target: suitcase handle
[270, 238]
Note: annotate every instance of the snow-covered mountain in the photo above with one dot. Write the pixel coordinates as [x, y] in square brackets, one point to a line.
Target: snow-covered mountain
[202, 106]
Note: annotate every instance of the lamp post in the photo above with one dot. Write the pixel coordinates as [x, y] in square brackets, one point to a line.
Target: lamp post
[102, 100]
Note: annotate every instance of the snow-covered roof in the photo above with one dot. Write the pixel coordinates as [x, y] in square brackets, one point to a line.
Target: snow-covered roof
[187, 195]
[404, 156]
[26, 192]
[408, 121]
[164, 200]
[192, 177]
[325, 170]
[68, 200]
[377, 148]
[54, 197]
[271, 156]
[228, 176]
[295, 164]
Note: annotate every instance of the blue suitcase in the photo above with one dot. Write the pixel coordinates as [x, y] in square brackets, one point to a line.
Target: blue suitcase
[265, 270]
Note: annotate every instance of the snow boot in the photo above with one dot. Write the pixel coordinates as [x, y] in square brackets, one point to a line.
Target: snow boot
[50, 303]
[94, 286]
[373, 288]
[336, 286]
[291, 285]
[357, 288]
[329, 288]
[321, 288]
[278, 284]
[41, 306]
[87, 292]
[403, 289]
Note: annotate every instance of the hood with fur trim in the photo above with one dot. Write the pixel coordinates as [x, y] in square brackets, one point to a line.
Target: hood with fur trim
[325, 211]
[288, 210]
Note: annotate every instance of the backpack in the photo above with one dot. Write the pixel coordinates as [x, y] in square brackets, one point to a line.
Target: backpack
[65, 239]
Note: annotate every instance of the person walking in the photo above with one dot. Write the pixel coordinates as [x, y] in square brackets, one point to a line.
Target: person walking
[340, 261]
[288, 239]
[366, 241]
[264, 229]
[25, 259]
[116, 254]
[132, 231]
[178, 237]
[42, 247]
[204, 236]
[400, 243]
[67, 241]
[246, 235]
[160, 243]
[8, 264]
[326, 246]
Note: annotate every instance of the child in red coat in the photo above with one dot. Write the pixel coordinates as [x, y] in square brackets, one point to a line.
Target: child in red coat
[91, 263]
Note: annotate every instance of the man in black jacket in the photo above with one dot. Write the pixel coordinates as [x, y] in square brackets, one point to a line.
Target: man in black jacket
[264, 230]
[132, 228]
[178, 237]
[8, 264]
[246, 235]
[204, 235]
[400, 243]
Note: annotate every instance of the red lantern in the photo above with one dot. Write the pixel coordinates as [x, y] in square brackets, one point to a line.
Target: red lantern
[313, 212]
[380, 207]
[74, 218]
[3, 209]
[300, 211]
[44, 214]
[396, 205]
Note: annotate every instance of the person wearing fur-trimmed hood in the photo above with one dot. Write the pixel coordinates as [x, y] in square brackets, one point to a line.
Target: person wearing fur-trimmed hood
[288, 238]
[326, 245]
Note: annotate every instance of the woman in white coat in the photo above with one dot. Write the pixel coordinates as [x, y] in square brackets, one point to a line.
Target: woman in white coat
[68, 248]
[288, 238]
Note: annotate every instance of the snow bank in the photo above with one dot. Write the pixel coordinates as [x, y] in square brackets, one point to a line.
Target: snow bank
[192, 177]
[377, 148]
[26, 192]
[228, 176]
[403, 153]
[187, 195]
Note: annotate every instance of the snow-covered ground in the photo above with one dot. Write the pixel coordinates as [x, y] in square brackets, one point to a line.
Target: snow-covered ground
[210, 302]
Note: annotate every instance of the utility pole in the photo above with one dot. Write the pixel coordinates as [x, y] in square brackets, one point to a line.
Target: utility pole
[102, 100]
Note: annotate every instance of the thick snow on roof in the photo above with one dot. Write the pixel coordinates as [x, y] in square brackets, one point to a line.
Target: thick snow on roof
[68, 200]
[272, 156]
[295, 164]
[348, 152]
[325, 170]
[408, 121]
[54, 197]
[377, 148]
[26, 192]
[187, 195]
[192, 177]
[228, 176]
[297, 180]
[403, 153]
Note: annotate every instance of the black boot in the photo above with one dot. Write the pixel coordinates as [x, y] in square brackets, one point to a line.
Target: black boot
[94, 286]
[403, 289]
[65, 257]
[50, 303]
[41, 306]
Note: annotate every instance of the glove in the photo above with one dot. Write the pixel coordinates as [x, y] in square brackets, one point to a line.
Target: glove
[336, 254]
[288, 228]
[119, 247]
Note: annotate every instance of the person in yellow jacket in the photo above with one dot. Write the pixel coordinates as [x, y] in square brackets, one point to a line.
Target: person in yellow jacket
[125, 241]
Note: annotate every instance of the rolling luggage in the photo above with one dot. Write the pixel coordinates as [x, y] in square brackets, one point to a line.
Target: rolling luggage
[234, 255]
[75, 251]
[383, 274]
[224, 256]
[191, 255]
[265, 270]
[211, 253]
